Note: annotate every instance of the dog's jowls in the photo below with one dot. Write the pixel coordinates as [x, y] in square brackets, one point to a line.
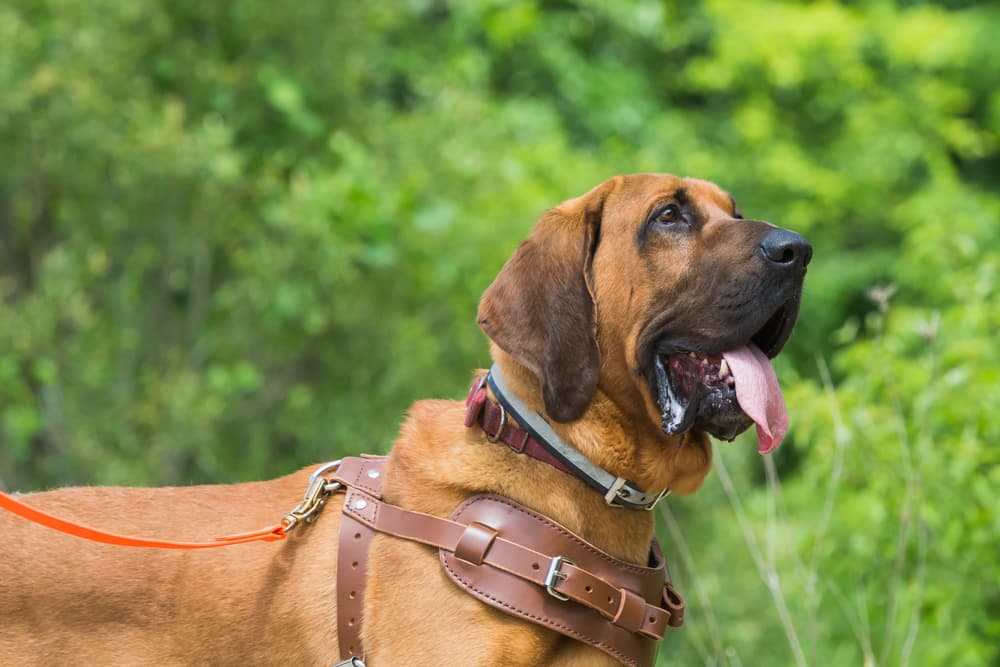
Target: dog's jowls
[612, 319]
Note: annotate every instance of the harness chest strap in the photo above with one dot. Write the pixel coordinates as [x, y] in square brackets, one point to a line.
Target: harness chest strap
[633, 604]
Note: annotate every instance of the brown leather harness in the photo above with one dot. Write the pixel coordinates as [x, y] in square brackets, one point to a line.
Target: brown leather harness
[513, 559]
[509, 557]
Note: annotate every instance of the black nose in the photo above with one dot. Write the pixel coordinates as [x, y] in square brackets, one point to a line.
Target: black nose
[786, 249]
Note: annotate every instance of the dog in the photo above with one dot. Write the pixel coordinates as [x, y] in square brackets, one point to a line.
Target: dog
[625, 319]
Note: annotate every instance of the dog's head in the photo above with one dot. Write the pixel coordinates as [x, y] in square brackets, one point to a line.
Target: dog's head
[655, 290]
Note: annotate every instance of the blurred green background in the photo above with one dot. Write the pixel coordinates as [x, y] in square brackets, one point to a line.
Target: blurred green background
[237, 238]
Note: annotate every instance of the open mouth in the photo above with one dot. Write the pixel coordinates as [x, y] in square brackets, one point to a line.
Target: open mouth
[723, 392]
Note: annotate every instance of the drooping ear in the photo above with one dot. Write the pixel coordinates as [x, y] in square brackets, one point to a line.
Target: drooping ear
[540, 308]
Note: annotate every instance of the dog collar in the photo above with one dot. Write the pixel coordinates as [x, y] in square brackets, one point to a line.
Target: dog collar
[537, 439]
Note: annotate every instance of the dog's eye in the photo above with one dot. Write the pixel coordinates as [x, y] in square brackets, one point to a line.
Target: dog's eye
[669, 214]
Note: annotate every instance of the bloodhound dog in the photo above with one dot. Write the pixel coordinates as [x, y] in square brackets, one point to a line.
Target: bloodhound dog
[630, 318]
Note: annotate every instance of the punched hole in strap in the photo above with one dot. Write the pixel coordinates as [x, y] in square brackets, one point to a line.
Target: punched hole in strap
[474, 543]
[655, 624]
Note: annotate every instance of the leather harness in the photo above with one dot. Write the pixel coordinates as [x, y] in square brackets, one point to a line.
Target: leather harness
[510, 557]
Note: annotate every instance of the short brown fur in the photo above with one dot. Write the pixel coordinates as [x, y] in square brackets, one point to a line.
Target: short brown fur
[568, 317]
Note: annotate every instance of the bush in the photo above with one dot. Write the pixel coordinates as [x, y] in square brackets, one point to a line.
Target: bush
[236, 240]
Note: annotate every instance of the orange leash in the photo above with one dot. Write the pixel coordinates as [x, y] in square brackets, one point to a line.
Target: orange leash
[270, 534]
[306, 510]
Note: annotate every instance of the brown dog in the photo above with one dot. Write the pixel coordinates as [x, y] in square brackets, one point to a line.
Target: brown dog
[592, 322]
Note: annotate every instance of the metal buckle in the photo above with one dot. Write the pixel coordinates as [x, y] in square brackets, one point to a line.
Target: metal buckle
[615, 492]
[555, 573]
[503, 423]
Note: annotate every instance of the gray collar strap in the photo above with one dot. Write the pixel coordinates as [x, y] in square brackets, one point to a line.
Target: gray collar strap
[617, 491]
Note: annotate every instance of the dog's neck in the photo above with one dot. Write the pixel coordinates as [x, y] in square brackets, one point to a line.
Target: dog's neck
[435, 450]
[611, 438]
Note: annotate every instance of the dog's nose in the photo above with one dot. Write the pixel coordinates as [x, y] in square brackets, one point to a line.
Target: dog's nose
[786, 249]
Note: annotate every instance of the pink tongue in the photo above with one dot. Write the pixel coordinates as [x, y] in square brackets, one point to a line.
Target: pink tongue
[759, 395]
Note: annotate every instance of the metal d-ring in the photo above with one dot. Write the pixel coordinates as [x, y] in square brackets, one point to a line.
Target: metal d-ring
[323, 469]
[503, 423]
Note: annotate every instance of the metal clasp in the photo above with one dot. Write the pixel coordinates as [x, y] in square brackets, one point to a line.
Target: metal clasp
[555, 573]
[315, 497]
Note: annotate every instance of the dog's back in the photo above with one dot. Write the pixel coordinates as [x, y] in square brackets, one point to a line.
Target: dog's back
[64, 600]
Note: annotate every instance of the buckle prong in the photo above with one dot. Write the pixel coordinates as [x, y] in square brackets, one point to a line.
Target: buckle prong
[554, 574]
[663, 494]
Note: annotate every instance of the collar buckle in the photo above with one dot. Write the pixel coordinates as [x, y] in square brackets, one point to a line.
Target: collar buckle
[615, 493]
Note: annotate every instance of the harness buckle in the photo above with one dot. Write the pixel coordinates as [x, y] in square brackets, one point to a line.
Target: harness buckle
[554, 574]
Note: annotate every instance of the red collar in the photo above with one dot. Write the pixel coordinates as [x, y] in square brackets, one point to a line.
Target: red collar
[491, 416]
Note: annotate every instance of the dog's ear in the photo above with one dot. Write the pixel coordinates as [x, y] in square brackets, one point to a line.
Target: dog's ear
[540, 308]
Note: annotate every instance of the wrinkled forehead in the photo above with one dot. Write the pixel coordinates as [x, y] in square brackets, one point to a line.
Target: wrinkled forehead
[706, 193]
[645, 190]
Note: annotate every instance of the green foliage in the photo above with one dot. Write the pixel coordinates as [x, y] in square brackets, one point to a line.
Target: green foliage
[236, 239]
